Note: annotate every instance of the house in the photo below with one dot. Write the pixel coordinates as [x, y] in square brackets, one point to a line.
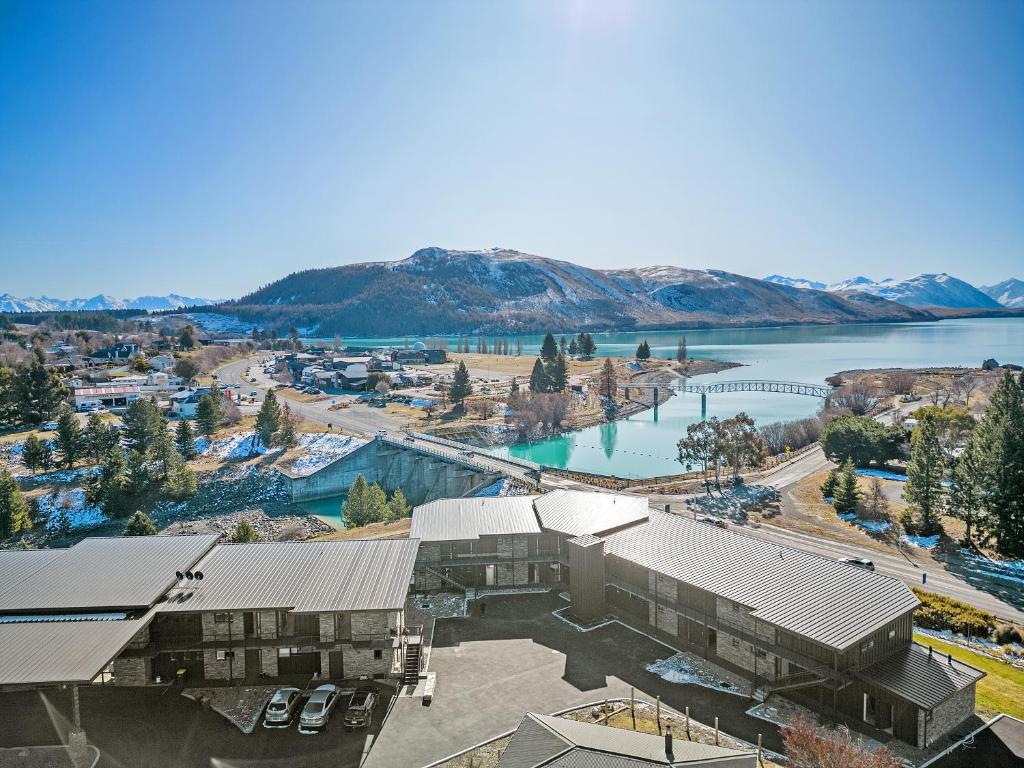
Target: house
[350, 373]
[161, 363]
[185, 403]
[543, 740]
[119, 352]
[112, 396]
[830, 635]
[151, 609]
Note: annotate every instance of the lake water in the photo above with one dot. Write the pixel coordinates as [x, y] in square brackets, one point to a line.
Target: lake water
[328, 510]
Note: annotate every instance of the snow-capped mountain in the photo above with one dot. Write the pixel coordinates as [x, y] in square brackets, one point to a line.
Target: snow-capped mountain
[922, 291]
[10, 303]
[796, 282]
[1009, 293]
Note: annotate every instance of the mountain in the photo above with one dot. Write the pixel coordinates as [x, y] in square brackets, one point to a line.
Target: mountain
[503, 291]
[10, 303]
[795, 282]
[1009, 293]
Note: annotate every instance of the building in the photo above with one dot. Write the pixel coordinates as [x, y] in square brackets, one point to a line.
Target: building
[120, 352]
[542, 740]
[146, 610]
[161, 363]
[185, 404]
[833, 636]
[110, 396]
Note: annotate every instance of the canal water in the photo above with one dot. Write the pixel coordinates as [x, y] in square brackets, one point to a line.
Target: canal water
[328, 510]
[644, 445]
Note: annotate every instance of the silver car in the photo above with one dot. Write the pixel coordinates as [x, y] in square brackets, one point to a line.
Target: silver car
[318, 709]
[281, 708]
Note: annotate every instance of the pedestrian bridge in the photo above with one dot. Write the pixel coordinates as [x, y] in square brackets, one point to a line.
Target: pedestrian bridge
[753, 385]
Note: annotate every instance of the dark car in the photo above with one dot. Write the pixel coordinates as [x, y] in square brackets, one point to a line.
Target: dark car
[860, 562]
[360, 709]
[712, 521]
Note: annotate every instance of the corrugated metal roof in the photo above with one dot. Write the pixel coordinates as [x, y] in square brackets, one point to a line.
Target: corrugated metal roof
[586, 540]
[458, 519]
[532, 744]
[826, 601]
[921, 678]
[577, 512]
[130, 389]
[62, 652]
[19, 563]
[304, 576]
[128, 572]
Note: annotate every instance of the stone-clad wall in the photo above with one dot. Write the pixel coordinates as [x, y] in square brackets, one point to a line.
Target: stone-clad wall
[224, 669]
[361, 661]
[223, 630]
[268, 626]
[945, 717]
[373, 622]
[132, 670]
[660, 616]
[326, 629]
[268, 662]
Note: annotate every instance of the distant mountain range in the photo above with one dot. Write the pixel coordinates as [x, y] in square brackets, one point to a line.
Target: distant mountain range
[10, 303]
[1009, 293]
[923, 291]
[437, 290]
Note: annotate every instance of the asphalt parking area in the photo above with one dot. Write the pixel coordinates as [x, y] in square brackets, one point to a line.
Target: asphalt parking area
[150, 728]
[491, 671]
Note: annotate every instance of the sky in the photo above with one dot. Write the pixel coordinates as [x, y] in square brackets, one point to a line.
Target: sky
[208, 148]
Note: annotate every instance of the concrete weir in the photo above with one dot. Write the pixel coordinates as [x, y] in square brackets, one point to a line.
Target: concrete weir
[423, 469]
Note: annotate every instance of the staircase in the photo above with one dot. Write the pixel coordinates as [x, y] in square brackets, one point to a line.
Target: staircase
[447, 579]
[411, 673]
[791, 682]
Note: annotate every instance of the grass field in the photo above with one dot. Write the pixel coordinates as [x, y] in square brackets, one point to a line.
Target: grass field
[1001, 690]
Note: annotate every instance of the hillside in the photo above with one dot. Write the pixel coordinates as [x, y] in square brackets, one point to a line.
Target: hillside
[9, 303]
[922, 291]
[503, 291]
[1009, 293]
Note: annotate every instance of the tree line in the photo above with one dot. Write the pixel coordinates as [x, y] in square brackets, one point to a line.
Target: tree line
[714, 443]
[366, 504]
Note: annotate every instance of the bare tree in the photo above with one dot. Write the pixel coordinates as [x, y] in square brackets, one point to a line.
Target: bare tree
[964, 386]
[806, 749]
[901, 382]
[855, 396]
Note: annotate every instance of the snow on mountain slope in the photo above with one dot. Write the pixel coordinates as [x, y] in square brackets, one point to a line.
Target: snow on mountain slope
[1009, 293]
[796, 282]
[10, 303]
[922, 291]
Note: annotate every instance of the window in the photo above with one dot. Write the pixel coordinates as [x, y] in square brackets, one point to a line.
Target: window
[221, 654]
[222, 618]
[284, 653]
[378, 653]
[761, 653]
[867, 646]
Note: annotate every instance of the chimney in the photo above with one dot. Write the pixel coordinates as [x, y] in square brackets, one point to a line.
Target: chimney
[668, 744]
[668, 508]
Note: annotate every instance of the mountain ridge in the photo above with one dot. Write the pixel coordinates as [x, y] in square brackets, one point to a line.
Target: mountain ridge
[15, 304]
[934, 290]
[1009, 293]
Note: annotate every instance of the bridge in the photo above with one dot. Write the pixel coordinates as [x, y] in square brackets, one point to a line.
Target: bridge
[751, 385]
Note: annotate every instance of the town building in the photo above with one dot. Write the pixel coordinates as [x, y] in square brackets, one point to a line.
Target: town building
[185, 403]
[111, 396]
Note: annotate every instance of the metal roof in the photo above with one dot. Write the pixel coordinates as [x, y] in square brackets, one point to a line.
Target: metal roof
[112, 390]
[304, 576]
[458, 519]
[63, 651]
[922, 678]
[542, 740]
[577, 512]
[127, 572]
[818, 598]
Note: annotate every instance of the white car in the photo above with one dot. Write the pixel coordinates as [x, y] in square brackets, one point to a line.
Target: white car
[281, 708]
[318, 709]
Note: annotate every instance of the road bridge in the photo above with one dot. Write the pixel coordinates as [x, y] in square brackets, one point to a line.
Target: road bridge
[744, 385]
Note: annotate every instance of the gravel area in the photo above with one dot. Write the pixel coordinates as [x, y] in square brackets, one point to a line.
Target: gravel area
[241, 705]
[277, 528]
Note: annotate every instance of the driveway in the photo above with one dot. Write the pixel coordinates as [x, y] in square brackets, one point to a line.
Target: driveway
[520, 659]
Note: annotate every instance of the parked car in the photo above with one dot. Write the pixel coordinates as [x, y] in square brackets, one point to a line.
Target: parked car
[360, 709]
[860, 562]
[318, 708]
[254, 394]
[718, 522]
[281, 708]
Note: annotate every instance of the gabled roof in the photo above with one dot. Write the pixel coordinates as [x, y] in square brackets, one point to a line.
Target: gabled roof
[578, 512]
[541, 740]
[821, 599]
[303, 576]
[922, 678]
[459, 519]
[126, 572]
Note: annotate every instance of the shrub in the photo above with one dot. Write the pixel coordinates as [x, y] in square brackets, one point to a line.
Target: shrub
[941, 612]
[1005, 634]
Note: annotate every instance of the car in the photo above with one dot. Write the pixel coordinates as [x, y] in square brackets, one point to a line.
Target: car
[254, 393]
[712, 521]
[409, 439]
[859, 562]
[282, 708]
[317, 710]
[359, 713]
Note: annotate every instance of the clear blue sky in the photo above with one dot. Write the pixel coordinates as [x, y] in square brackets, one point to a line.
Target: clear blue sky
[210, 147]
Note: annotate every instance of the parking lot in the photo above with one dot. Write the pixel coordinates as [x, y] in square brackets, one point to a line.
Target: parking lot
[154, 728]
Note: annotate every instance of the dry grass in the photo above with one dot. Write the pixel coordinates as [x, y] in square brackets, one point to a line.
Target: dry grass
[300, 397]
[399, 530]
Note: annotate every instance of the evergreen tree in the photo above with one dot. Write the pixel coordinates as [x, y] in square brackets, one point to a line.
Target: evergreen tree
[586, 345]
[184, 440]
[923, 489]
[700, 446]
[846, 494]
[460, 388]
[514, 386]
[137, 476]
[108, 487]
[607, 380]
[574, 348]
[828, 487]
[557, 374]
[70, 442]
[354, 511]
[287, 436]
[643, 351]
[36, 454]
[187, 337]
[965, 501]
[376, 504]
[142, 422]
[539, 377]
[244, 533]
[548, 348]
[681, 350]
[208, 414]
[398, 507]
[32, 392]
[181, 481]
[562, 345]
[163, 451]
[14, 517]
[99, 438]
[139, 524]
[268, 420]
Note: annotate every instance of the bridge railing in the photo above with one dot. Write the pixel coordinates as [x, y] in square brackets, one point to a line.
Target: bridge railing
[482, 464]
[747, 385]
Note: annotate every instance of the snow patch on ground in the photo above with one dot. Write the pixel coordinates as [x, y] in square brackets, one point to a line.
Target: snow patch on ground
[322, 449]
[881, 474]
[679, 669]
[242, 445]
[503, 487]
[924, 542]
[1003, 570]
[80, 513]
[873, 526]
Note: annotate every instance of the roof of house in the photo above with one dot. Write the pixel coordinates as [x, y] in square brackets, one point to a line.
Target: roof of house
[577, 512]
[832, 603]
[304, 576]
[455, 519]
[921, 677]
[127, 572]
[41, 652]
[130, 389]
[542, 740]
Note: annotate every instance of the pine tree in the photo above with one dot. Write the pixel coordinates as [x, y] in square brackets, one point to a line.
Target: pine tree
[163, 451]
[184, 440]
[208, 415]
[586, 345]
[108, 487]
[36, 392]
[1000, 439]
[187, 337]
[557, 374]
[681, 350]
[142, 422]
[354, 510]
[398, 507]
[574, 348]
[548, 348]
[514, 386]
[460, 388]
[607, 380]
[36, 454]
[376, 504]
[923, 489]
[139, 524]
[643, 351]
[137, 476]
[562, 345]
[70, 443]
[14, 517]
[181, 481]
[268, 420]
[965, 501]
[539, 377]
[99, 437]
[828, 487]
[244, 533]
[286, 436]
[846, 494]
